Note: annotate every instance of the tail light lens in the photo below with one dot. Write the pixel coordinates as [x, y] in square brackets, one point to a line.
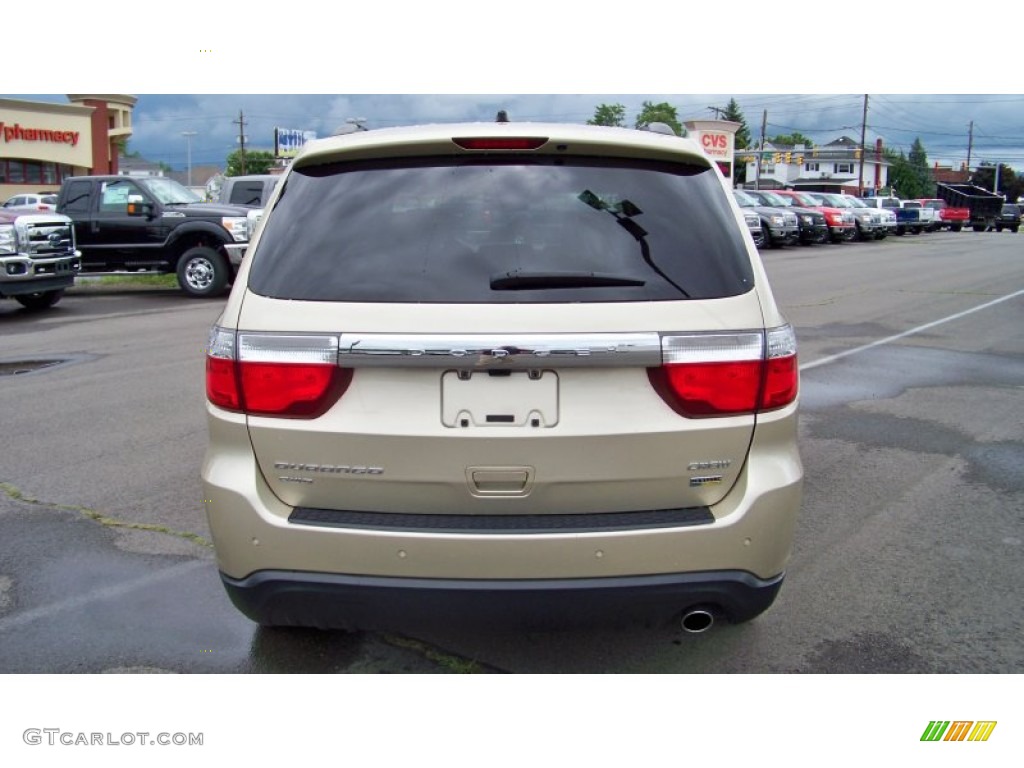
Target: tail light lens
[781, 376]
[281, 375]
[708, 375]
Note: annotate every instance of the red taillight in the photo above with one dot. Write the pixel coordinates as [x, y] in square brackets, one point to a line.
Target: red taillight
[707, 375]
[281, 375]
[291, 389]
[501, 142]
[715, 389]
[781, 382]
[222, 383]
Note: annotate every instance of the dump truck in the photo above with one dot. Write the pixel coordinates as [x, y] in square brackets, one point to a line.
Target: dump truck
[983, 205]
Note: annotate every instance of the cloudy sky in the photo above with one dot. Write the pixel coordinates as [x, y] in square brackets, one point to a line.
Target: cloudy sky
[462, 60]
[941, 121]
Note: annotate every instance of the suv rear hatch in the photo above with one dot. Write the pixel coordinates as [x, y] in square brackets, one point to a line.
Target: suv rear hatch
[529, 327]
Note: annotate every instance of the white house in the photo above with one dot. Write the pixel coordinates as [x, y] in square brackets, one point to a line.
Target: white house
[833, 167]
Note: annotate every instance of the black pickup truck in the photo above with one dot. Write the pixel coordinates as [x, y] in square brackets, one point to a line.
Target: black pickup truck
[154, 224]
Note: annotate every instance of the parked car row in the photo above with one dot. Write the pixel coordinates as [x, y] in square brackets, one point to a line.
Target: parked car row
[828, 217]
[789, 217]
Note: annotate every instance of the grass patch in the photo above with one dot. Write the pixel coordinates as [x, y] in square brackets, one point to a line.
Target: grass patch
[15, 493]
[145, 280]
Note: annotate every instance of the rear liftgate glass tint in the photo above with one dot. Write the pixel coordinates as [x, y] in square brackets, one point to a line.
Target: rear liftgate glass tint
[509, 229]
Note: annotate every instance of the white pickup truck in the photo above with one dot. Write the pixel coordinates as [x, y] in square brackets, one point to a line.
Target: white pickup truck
[930, 218]
[38, 258]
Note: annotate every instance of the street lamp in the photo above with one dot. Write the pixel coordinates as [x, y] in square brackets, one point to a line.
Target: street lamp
[188, 140]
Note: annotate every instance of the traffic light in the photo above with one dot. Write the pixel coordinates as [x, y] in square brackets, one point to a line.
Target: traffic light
[789, 157]
[777, 157]
[799, 159]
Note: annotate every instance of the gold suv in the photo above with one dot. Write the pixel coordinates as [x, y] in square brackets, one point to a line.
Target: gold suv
[502, 372]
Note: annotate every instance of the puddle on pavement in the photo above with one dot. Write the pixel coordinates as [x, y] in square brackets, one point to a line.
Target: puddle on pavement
[21, 367]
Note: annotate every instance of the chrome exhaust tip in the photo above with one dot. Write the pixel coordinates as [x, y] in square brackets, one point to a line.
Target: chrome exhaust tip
[697, 620]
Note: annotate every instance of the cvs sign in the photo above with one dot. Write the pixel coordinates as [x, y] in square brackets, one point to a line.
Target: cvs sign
[715, 144]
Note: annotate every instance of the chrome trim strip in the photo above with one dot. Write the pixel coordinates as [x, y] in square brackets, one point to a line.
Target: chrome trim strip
[507, 351]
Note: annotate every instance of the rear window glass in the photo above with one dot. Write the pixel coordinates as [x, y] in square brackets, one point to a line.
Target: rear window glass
[247, 193]
[513, 230]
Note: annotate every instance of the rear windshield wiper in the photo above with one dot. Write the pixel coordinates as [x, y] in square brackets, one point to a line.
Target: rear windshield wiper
[526, 281]
[623, 213]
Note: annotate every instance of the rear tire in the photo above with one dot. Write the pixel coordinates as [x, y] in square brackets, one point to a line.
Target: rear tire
[36, 302]
[956, 228]
[203, 273]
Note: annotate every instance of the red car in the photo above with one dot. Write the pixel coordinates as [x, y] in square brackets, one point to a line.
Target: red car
[841, 226]
[949, 217]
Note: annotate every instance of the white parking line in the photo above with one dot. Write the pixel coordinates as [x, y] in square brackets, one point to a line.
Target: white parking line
[911, 332]
[44, 611]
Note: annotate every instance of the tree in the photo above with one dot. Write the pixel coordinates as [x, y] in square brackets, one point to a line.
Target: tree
[909, 175]
[742, 140]
[792, 139]
[732, 112]
[609, 114]
[659, 113]
[1010, 184]
[256, 161]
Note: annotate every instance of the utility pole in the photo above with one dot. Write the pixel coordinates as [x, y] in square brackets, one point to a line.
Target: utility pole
[718, 112]
[188, 141]
[760, 151]
[970, 145]
[863, 133]
[240, 122]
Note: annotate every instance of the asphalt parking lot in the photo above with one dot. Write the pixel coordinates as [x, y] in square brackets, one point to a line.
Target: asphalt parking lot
[906, 558]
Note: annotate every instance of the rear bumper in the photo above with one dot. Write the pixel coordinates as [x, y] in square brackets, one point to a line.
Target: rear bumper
[338, 601]
[288, 565]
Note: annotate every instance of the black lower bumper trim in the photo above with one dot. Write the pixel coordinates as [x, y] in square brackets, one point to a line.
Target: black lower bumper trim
[340, 601]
